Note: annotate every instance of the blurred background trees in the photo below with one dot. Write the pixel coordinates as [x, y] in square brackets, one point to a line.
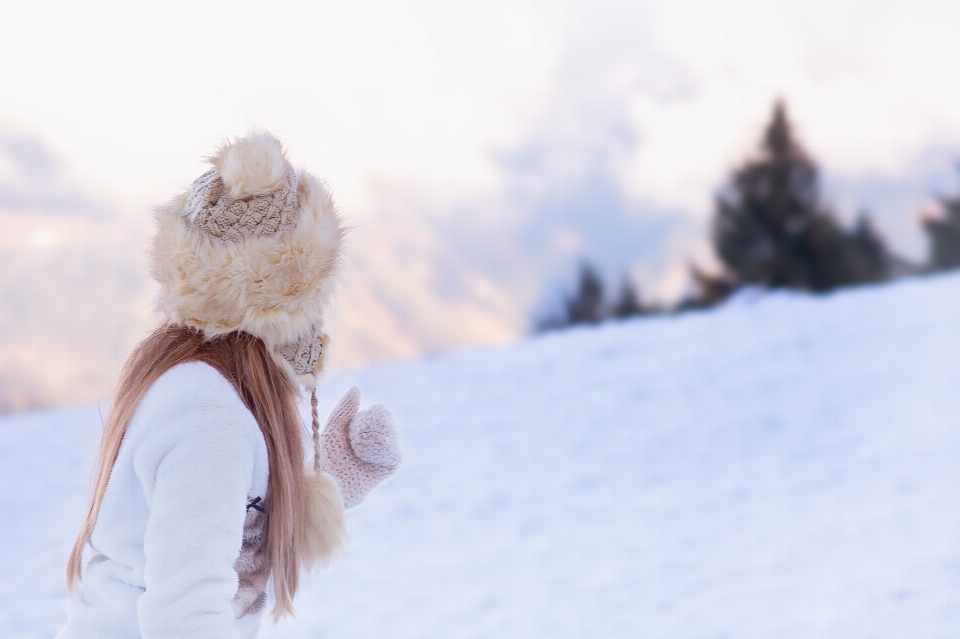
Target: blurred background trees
[588, 302]
[942, 227]
[772, 228]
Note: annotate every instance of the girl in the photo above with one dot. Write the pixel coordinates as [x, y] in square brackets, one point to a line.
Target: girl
[202, 497]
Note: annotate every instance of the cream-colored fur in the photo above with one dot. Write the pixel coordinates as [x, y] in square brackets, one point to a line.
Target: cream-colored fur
[276, 288]
[253, 165]
[322, 529]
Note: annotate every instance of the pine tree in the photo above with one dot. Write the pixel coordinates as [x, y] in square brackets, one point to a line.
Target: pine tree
[628, 304]
[871, 260]
[943, 234]
[709, 289]
[771, 227]
[586, 306]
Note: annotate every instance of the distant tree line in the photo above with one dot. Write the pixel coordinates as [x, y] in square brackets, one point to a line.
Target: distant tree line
[771, 228]
[588, 304]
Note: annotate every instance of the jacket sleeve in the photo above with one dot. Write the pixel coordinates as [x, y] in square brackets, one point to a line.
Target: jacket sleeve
[196, 482]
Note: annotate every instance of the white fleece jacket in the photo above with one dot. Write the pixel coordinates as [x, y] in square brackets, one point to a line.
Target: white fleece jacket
[160, 562]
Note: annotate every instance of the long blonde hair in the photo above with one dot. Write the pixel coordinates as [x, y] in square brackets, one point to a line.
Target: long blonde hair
[268, 394]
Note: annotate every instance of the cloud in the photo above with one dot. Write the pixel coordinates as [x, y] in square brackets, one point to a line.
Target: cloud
[565, 189]
[73, 285]
[71, 308]
[33, 180]
[30, 158]
[480, 150]
[648, 110]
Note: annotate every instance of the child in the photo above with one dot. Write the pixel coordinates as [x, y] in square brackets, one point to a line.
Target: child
[203, 498]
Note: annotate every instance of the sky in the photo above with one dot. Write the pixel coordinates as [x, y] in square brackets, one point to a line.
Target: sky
[478, 150]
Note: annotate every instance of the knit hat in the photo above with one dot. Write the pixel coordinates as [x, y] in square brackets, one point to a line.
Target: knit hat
[253, 245]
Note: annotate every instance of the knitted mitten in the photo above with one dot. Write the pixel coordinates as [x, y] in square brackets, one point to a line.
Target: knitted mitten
[359, 449]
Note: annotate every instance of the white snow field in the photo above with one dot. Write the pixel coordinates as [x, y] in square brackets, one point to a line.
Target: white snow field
[780, 467]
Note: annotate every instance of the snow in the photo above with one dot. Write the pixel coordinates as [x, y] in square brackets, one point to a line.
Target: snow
[784, 466]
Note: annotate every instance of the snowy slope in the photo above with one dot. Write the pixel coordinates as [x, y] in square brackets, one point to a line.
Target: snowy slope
[782, 467]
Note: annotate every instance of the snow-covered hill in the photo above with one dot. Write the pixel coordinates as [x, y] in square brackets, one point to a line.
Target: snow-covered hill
[783, 467]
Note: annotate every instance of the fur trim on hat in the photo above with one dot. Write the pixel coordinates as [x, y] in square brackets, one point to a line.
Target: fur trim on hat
[275, 287]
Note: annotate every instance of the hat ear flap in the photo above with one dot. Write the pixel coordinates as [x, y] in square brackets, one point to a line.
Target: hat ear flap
[304, 358]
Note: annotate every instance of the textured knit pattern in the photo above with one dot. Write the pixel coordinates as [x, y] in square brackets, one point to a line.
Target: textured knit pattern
[213, 213]
[305, 353]
[359, 449]
[253, 564]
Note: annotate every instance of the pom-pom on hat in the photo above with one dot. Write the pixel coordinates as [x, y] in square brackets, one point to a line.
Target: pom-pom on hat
[253, 245]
